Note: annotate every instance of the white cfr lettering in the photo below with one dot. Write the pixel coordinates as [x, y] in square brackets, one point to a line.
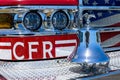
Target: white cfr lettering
[14, 50]
[47, 51]
[31, 50]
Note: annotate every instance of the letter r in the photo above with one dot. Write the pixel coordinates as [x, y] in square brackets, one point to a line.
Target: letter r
[47, 51]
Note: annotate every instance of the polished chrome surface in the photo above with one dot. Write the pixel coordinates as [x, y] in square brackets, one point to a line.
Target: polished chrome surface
[38, 7]
[49, 10]
[60, 19]
[110, 49]
[46, 12]
[32, 21]
[47, 16]
[63, 7]
[113, 29]
[87, 19]
[89, 50]
[16, 33]
[100, 7]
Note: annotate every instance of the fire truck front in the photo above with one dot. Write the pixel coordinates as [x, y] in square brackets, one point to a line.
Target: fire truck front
[43, 30]
[47, 40]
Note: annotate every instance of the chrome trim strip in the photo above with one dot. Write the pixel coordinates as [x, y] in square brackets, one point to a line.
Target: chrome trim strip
[17, 33]
[43, 16]
[81, 2]
[39, 7]
[112, 49]
[99, 7]
[46, 19]
[69, 19]
[42, 10]
[18, 9]
[104, 29]
[113, 29]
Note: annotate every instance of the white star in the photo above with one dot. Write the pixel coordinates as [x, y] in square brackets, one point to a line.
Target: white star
[113, 4]
[99, 14]
[95, 3]
[86, 1]
[110, 12]
[106, 1]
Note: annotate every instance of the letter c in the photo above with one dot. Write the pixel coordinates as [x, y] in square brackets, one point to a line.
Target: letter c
[14, 50]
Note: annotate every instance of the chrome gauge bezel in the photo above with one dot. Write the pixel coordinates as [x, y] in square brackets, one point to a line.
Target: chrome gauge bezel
[32, 13]
[46, 16]
[67, 15]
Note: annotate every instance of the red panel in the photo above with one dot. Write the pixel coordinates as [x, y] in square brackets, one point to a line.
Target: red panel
[35, 47]
[37, 2]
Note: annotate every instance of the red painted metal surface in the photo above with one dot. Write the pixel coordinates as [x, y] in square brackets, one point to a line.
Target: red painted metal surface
[37, 2]
[36, 47]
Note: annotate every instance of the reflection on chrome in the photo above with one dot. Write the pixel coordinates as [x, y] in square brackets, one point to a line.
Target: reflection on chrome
[32, 21]
[89, 53]
[60, 20]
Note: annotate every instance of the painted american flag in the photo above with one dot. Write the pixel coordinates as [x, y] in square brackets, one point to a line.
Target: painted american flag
[101, 2]
[104, 18]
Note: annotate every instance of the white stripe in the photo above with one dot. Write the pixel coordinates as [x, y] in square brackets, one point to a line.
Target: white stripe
[106, 21]
[5, 54]
[5, 44]
[65, 41]
[64, 51]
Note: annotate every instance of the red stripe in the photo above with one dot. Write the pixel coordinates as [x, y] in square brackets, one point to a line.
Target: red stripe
[65, 45]
[115, 25]
[5, 47]
[37, 2]
[107, 35]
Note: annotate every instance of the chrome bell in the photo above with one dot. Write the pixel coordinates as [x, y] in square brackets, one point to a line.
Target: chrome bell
[89, 49]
